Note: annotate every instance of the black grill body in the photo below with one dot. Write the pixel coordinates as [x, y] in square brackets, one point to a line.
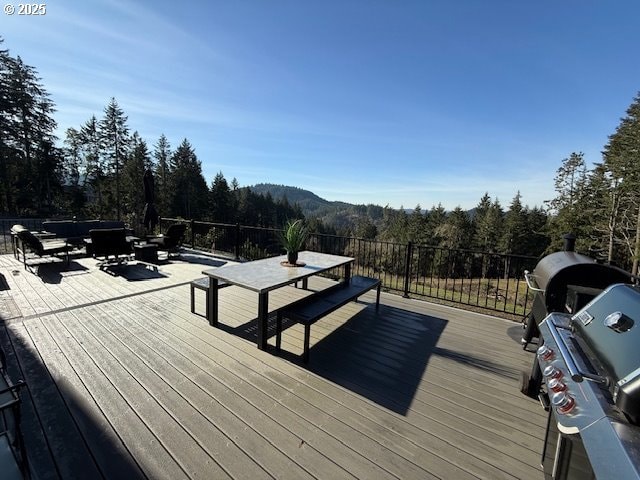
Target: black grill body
[565, 282]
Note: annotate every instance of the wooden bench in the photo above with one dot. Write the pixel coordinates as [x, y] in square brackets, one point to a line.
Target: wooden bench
[312, 308]
[203, 284]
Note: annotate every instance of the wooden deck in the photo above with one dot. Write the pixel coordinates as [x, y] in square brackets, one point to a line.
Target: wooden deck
[125, 382]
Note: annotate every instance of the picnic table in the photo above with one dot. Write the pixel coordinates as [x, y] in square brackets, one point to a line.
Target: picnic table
[265, 275]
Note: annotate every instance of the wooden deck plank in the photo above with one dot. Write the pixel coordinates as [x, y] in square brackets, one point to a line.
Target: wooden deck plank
[350, 416]
[111, 456]
[356, 467]
[52, 417]
[150, 454]
[165, 427]
[414, 391]
[208, 420]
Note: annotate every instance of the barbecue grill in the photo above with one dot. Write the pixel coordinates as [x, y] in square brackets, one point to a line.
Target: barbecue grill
[563, 282]
[591, 366]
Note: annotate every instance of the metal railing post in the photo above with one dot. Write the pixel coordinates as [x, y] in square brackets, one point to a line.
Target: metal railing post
[237, 245]
[407, 269]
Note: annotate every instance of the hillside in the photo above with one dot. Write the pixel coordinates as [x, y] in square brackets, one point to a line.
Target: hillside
[310, 203]
[341, 216]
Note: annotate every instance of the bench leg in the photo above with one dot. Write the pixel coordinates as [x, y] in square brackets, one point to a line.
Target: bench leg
[193, 300]
[278, 331]
[307, 338]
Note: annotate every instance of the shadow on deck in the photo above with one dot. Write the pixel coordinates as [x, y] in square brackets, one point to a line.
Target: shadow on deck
[379, 355]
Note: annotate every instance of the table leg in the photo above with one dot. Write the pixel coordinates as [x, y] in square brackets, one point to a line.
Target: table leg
[347, 272]
[305, 283]
[213, 302]
[263, 320]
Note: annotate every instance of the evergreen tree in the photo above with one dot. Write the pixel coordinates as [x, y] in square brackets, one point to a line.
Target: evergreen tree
[417, 232]
[136, 163]
[622, 161]
[190, 192]
[567, 207]
[456, 231]
[29, 162]
[163, 176]
[513, 240]
[487, 224]
[74, 200]
[220, 199]
[114, 134]
[436, 216]
[93, 168]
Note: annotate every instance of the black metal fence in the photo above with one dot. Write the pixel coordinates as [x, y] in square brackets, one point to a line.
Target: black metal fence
[480, 279]
[485, 280]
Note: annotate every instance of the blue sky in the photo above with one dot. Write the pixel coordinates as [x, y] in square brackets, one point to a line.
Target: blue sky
[386, 102]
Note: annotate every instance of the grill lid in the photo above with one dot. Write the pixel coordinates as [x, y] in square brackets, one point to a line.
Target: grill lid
[610, 327]
[555, 271]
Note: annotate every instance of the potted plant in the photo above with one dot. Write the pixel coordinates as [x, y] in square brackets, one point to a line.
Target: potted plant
[293, 238]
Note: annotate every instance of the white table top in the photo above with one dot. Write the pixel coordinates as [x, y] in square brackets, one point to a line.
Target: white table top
[268, 274]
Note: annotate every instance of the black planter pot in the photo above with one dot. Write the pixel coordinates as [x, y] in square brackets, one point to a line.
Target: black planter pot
[292, 258]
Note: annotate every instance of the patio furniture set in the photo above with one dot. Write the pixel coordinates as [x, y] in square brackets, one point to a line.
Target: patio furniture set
[265, 275]
[109, 241]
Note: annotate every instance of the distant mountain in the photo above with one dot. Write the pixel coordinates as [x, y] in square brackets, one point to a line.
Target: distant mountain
[310, 203]
[341, 216]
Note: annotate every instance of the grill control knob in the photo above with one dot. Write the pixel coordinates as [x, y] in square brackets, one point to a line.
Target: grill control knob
[556, 385]
[563, 402]
[545, 353]
[552, 372]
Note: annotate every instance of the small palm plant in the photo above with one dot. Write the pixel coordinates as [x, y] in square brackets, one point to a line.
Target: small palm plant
[293, 238]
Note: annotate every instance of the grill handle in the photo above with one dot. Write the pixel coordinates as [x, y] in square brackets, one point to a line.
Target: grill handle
[528, 277]
[574, 372]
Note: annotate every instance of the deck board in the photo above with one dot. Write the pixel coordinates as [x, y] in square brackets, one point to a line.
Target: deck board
[125, 382]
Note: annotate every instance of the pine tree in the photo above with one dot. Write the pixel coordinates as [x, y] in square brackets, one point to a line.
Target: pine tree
[622, 161]
[163, 175]
[514, 228]
[487, 224]
[29, 162]
[114, 134]
[220, 199]
[567, 208]
[456, 231]
[190, 192]
[133, 170]
[93, 171]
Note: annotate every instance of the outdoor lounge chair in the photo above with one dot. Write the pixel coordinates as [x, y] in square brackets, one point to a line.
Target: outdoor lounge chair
[29, 242]
[171, 240]
[111, 245]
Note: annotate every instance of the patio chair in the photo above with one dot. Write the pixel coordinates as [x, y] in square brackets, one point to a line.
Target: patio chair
[171, 241]
[111, 245]
[29, 242]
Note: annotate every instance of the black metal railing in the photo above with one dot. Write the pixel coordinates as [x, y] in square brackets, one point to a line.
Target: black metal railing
[485, 280]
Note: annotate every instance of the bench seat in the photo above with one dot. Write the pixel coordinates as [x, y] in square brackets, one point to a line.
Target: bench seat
[203, 284]
[312, 308]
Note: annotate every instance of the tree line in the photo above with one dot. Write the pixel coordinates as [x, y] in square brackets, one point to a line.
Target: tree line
[599, 205]
[96, 171]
